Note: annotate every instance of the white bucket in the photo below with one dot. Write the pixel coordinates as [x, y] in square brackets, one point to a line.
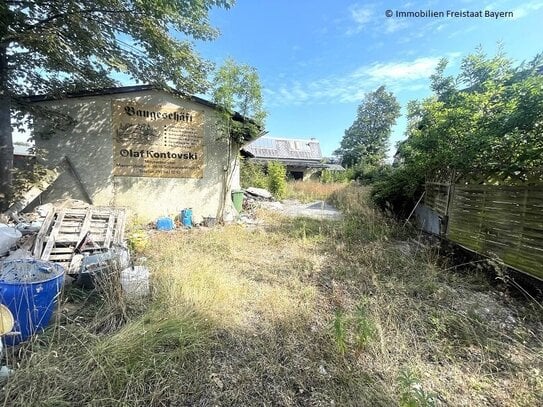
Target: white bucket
[8, 237]
[135, 281]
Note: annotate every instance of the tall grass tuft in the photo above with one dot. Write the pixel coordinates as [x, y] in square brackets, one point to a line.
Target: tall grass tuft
[311, 190]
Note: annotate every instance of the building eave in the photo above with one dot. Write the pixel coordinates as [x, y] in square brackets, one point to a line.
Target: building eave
[136, 89]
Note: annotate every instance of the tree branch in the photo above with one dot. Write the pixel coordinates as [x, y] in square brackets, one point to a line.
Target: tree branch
[10, 38]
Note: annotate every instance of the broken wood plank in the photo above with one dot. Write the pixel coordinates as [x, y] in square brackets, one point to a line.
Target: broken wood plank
[85, 225]
[119, 228]
[51, 175]
[78, 179]
[109, 232]
[27, 245]
[38, 246]
[58, 257]
[52, 237]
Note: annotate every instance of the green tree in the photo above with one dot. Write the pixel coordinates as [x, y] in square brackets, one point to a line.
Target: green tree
[55, 46]
[485, 124]
[366, 141]
[236, 88]
[492, 125]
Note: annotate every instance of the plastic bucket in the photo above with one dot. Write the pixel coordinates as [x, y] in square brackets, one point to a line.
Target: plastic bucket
[164, 223]
[135, 281]
[30, 289]
[186, 217]
[237, 200]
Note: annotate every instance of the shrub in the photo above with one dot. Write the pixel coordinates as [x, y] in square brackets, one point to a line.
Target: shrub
[398, 191]
[370, 174]
[277, 179]
[329, 177]
[253, 175]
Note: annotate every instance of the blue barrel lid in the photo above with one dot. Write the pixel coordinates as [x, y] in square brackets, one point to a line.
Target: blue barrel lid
[28, 271]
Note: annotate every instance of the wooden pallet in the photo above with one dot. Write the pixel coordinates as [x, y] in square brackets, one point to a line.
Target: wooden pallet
[69, 231]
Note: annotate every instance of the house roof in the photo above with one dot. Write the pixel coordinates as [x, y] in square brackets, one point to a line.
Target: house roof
[274, 148]
[22, 150]
[134, 89]
[290, 163]
[334, 167]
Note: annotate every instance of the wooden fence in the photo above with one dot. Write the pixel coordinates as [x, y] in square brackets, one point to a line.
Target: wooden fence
[504, 222]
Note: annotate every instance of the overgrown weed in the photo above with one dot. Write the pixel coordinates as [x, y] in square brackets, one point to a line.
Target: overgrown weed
[312, 190]
[360, 312]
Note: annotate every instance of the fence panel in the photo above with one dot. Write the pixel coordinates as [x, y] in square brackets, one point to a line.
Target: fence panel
[437, 196]
[500, 221]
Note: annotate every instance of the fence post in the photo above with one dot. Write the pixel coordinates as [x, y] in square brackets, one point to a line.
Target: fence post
[450, 197]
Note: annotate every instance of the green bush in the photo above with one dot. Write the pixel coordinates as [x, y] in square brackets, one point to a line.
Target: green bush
[398, 191]
[370, 174]
[277, 179]
[253, 175]
[273, 178]
[329, 177]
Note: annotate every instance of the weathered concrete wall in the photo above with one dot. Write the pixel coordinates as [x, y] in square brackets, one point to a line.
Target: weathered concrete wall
[89, 146]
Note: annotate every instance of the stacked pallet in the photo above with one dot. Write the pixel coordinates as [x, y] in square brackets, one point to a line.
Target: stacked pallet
[67, 232]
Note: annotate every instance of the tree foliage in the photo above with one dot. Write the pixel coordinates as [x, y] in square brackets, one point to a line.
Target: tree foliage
[484, 125]
[236, 88]
[55, 46]
[486, 121]
[366, 141]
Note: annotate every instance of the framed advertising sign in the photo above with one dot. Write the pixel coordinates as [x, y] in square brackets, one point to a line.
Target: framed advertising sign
[157, 141]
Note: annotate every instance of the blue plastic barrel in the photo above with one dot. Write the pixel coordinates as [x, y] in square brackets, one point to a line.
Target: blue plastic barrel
[164, 223]
[30, 289]
[186, 217]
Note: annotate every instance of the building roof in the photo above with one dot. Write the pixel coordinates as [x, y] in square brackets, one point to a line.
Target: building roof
[282, 149]
[118, 90]
[334, 167]
[134, 89]
[22, 150]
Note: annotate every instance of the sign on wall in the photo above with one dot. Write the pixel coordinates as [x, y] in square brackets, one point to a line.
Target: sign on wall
[157, 141]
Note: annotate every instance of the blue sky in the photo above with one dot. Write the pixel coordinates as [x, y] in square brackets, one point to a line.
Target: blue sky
[316, 59]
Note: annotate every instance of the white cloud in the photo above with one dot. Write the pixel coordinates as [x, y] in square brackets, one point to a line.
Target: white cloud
[526, 9]
[361, 15]
[419, 68]
[406, 76]
[393, 25]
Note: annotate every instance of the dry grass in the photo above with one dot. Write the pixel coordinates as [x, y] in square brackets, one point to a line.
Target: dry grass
[300, 312]
[308, 191]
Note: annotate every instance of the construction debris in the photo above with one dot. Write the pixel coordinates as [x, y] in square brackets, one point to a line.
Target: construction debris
[8, 238]
[259, 194]
[65, 232]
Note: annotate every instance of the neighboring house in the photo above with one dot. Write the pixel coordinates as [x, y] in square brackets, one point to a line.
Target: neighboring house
[23, 157]
[302, 158]
[334, 167]
[150, 150]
